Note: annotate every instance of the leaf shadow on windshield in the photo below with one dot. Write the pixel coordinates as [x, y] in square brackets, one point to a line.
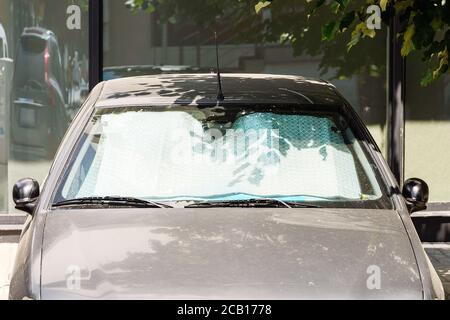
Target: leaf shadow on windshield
[289, 133]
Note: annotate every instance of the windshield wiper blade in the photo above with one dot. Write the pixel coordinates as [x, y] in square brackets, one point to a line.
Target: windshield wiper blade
[260, 202]
[112, 201]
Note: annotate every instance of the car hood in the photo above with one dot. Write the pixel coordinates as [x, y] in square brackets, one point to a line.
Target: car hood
[227, 253]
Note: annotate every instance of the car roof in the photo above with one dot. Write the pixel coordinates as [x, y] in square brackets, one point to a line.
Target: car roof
[39, 32]
[185, 89]
[164, 67]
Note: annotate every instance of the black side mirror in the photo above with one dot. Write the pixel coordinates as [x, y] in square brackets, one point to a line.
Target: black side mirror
[416, 193]
[25, 194]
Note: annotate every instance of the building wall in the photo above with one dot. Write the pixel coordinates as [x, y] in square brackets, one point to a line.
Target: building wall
[126, 49]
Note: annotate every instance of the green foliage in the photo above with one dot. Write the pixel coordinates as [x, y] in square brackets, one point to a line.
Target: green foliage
[427, 26]
[261, 5]
[328, 29]
[84, 4]
[138, 5]
[336, 30]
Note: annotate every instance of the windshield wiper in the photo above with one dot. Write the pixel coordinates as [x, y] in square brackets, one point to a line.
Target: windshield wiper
[112, 201]
[261, 202]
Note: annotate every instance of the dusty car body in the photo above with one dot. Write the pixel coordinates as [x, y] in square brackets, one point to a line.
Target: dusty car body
[213, 252]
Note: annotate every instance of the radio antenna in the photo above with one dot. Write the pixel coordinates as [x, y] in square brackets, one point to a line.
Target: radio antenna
[220, 96]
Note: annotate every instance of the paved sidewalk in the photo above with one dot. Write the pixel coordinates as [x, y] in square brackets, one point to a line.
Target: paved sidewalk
[439, 254]
[7, 256]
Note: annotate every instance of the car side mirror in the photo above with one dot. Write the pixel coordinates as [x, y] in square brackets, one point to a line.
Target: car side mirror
[416, 193]
[25, 194]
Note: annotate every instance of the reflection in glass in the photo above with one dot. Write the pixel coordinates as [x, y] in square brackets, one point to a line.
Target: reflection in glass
[178, 37]
[48, 81]
[5, 83]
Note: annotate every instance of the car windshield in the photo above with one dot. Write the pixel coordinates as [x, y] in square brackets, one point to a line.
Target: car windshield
[191, 153]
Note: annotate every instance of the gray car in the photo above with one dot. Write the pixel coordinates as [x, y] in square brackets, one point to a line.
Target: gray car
[162, 189]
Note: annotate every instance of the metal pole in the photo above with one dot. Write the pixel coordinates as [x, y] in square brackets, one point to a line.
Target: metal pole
[95, 42]
[396, 102]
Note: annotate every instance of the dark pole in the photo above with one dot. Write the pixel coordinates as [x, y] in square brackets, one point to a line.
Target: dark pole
[220, 96]
[95, 42]
[396, 102]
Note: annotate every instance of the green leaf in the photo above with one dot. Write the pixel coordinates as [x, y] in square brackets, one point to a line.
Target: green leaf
[329, 30]
[342, 3]
[403, 5]
[427, 79]
[319, 3]
[408, 44]
[335, 7]
[369, 32]
[383, 4]
[356, 36]
[360, 31]
[433, 48]
[443, 64]
[436, 23]
[347, 20]
[261, 5]
[150, 8]
[433, 75]
[137, 5]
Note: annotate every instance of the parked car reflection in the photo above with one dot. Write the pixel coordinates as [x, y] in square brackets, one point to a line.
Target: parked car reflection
[110, 73]
[39, 115]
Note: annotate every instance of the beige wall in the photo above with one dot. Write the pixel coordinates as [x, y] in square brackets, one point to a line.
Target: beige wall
[127, 36]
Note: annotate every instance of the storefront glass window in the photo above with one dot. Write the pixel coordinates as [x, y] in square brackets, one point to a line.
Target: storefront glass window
[43, 82]
[178, 37]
